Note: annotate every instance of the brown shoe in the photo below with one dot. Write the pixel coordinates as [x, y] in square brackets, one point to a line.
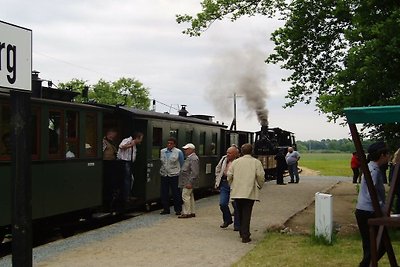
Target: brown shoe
[184, 216]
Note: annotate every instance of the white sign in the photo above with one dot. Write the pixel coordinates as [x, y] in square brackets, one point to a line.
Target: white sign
[15, 57]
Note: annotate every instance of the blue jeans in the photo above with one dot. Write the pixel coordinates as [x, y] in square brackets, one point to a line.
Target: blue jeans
[293, 172]
[127, 181]
[167, 183]
[225, 191]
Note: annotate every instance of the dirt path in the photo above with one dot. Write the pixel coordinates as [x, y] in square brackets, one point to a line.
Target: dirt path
[344, 202]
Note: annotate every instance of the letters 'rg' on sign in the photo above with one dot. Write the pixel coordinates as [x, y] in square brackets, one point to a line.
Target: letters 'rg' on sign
[15, 57]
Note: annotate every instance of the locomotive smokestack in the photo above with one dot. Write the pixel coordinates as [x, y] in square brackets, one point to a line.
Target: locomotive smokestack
[183, 112]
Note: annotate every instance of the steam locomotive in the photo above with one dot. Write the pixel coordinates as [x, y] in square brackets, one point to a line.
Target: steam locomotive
[268, 141]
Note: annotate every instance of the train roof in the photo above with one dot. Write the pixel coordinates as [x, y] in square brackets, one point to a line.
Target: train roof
[275, 129]
[59, 102]
[167, 116]
[376, 114]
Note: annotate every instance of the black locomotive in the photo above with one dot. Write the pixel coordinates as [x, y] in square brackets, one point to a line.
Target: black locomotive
[268, 141]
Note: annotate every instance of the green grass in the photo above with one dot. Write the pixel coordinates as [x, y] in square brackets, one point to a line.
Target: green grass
[329, 164]
[278, 250]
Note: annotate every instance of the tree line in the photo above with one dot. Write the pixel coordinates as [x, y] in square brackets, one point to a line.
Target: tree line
[330, 145]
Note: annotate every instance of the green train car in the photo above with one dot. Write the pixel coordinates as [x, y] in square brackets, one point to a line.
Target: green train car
[157, 128]
[61, 184]
[67, 157]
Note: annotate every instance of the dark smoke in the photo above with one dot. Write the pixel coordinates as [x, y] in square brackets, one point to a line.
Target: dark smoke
[241, 72]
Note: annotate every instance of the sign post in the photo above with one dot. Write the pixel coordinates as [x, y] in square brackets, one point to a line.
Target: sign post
[15, 76]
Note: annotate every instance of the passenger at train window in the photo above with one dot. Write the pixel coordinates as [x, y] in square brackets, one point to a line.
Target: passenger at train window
[172, 160]
[111, 187]
[109, 147]
[127, 153]
[6, 150]
[188, 180]
[69, 154]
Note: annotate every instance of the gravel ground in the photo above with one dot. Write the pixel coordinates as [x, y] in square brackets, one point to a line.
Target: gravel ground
[155, 240]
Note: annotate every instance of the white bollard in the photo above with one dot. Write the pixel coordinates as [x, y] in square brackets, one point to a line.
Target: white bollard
[323, 215]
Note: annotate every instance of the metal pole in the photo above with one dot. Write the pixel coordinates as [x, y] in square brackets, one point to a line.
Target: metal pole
[234, 110]
[21, 179]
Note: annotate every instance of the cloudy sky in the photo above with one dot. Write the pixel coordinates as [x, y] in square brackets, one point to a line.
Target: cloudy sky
[106, 39]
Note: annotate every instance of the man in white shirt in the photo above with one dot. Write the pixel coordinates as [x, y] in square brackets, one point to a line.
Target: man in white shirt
[127, 154]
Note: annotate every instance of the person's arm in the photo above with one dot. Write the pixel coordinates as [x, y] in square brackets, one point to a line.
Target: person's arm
[219, 167]
[181, 158]
[229, 174]
[126, 144]
[260, 174]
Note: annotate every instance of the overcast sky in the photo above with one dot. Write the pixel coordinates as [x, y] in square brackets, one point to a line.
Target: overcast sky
[102, 39]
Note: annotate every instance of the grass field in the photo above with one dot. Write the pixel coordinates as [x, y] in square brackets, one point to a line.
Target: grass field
[279, 250]
[330, 164]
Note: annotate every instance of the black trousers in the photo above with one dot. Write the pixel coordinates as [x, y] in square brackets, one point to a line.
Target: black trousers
[362, 217]
[356, 174]
[245, 207]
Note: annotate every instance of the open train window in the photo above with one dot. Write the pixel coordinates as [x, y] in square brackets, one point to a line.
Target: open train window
[91, 135]
[189, 137]
[55, 126]
[72, 135]
[156, 143]
[5, 132]
[214, 144]
[202, 145]
[35, 132]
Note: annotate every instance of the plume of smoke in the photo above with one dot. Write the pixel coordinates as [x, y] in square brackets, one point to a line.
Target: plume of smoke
[241, 72]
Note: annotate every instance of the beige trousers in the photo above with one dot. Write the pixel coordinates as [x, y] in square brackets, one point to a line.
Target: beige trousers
[188, 201]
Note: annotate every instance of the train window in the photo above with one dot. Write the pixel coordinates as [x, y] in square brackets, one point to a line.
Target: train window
[202, 143]
[91, 135]
[71, 135]
[214, 144]
[189, 137]
[157, 143]
[55, 138]
[5, 132]
[35, 133]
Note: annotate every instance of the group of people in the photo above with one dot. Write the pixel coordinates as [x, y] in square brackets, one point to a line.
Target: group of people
[179, 173]
[176, 172]
[119, 190]
[238, 176]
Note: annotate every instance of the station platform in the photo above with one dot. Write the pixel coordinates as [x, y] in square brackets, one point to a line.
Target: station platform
[152, 239]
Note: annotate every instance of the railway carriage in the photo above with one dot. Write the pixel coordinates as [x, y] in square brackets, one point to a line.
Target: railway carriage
[66, 158]
[67, 165]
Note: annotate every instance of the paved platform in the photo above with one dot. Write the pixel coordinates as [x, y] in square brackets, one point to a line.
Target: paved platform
[155, 240]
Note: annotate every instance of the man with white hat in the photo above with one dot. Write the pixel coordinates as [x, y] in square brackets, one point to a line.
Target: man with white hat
[188, 180]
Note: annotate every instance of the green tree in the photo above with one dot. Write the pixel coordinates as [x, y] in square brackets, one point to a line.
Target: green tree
[340, 53]
[76, 85]
[125, 91]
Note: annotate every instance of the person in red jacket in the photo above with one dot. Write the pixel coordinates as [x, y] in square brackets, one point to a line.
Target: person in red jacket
[355, 166]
